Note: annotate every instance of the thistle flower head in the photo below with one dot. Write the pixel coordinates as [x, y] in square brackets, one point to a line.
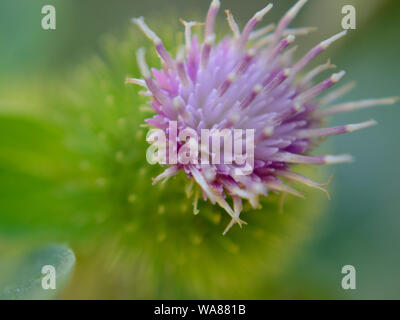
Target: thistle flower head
[248, 80]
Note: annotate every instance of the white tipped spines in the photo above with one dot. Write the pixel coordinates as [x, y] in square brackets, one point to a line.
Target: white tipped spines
[337, 76]
[141, 60]
[180, 63]
[324, 132]
[257, 88]
[360, 126]
[234, 117]
[231, 77]
[283, 44]
[151, 85]
[245, 62]
[297, 158]
[252, 23]
[280, 47]
[351, 106]
[284, 188]
[146, 30]
[205, 55]
[180, 56]
[286, 20]
[249, 99]
[270, 37]
[391, 100]
[210, 20]
[145, 93]
[209, 175]
[260, 14]
[320, 87]
[225, 205]
[290, 38]
[227, 83]
[268, 131]
[317, 70]
[343, 158]
[316, 51]
[179, 107]
[293, 11]
[177, 103]
[287, 72]
[164, 55]
[166, 174]
[302, 179]
[295, 32]
[258, 188]
[138, 82]
[215, 4]
[297, 107]
[326, 43]
[277, 80]
[232, 24]
[288, 54]
[300, 31]
[210, 40]
[237, 204]
[188, 32]
[251, 53]
[337, 93]
[262, 31]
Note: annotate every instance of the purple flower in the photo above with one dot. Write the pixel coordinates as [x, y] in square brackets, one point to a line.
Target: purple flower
[248, 80]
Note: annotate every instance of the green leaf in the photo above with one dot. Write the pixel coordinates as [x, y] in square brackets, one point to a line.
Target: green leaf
[26, 281]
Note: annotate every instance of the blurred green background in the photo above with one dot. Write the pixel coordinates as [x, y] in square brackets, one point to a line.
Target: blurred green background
[59, 183]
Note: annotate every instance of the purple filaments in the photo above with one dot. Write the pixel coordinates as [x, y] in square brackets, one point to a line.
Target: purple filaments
[248, 80]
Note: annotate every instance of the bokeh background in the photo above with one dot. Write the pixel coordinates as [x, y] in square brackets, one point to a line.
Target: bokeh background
[359, 226]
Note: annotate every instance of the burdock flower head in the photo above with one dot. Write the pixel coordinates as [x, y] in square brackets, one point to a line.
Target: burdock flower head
[248, 80]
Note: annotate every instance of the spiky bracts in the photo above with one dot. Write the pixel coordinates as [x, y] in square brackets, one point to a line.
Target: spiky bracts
[248, 80]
